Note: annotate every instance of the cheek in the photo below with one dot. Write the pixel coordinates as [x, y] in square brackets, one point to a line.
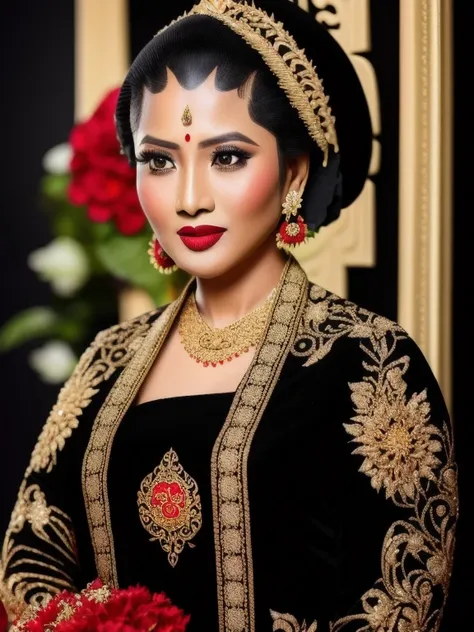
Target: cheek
[154, 195]
[258, 190]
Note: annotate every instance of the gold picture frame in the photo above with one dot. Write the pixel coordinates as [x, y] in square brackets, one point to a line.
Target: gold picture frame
[425, 181]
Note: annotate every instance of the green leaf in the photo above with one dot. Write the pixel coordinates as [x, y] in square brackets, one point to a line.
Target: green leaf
[126, 258]
[36, 322]
[55, 186]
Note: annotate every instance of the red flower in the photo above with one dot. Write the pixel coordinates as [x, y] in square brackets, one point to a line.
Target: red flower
[102, 179]
[102, 609]
[3, 618]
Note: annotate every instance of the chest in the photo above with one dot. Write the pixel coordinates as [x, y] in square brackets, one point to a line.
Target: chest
[174, 373]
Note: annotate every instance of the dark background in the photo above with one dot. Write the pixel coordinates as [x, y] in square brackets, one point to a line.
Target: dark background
[37, 112]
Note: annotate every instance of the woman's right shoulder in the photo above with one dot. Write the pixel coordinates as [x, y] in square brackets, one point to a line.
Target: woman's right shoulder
[128, 330]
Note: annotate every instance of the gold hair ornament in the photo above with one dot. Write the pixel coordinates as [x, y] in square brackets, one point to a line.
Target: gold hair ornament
[187, 117]
[296, 75]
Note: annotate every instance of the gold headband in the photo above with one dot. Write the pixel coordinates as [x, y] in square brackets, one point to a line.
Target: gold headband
[296, 75]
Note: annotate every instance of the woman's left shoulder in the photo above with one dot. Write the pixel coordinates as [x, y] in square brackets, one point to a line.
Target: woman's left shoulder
[374, 343]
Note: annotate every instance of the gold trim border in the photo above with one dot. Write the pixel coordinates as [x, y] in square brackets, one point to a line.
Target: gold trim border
[425, 181]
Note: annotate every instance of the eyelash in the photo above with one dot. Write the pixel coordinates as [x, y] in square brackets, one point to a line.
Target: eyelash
[147, 155]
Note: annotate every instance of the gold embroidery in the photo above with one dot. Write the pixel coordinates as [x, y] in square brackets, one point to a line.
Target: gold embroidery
[288, 623]
[169, 506]
[405, 454]
[110, 350]
[296, 75]
[51, 526]
[397, 440]
[231, 513]
[97, 455]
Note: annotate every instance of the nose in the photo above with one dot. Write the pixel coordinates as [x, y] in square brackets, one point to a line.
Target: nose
[194, 194]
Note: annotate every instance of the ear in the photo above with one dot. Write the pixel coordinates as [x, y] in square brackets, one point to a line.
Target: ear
[296, 176]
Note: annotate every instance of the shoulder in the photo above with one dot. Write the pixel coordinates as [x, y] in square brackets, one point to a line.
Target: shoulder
[365, 341]
[127, 332]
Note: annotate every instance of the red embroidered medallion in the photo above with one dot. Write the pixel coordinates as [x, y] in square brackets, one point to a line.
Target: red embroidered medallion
[169, 506]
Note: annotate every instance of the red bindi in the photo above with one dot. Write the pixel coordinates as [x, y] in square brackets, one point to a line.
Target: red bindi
[187, 138]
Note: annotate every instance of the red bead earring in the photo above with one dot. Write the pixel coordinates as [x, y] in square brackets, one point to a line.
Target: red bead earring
[159, 259]
[293, 230]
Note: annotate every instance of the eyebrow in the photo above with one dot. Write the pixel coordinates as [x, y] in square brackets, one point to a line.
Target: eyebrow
[215, 140]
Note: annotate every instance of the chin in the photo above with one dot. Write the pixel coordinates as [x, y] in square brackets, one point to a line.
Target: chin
[206, 265]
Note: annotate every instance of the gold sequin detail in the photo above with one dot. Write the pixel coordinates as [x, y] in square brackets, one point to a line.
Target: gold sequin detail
[289, 623]
[46, 574]
[169, 506]
[404, 453]
[110, 350]
[229, 458]
[96, 459]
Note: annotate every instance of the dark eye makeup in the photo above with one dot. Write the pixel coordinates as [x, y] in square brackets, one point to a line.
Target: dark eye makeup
[224, 158]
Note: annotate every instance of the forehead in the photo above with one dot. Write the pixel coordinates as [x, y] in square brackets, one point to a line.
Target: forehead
[211, 108]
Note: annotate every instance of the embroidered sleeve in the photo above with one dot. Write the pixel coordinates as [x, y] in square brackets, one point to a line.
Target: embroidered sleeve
[401, 440]
[39, 554]
[403, 443]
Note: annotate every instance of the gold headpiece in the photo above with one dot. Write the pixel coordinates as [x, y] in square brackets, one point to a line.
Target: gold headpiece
[296, 75]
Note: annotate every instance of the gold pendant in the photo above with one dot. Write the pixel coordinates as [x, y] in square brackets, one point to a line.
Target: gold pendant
[170, 507]
[213, 347]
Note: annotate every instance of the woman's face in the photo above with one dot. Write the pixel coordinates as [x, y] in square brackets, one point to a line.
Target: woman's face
[219, 175]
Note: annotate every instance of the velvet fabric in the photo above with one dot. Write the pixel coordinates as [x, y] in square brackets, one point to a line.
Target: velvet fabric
[349, 482]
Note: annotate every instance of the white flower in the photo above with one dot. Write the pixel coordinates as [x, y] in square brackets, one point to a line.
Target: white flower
[63, 263]
[54, 362]
[57, 159]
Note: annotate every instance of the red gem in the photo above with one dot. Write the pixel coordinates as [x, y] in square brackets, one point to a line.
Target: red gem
[187, 138]
[221, 361]
[236, 355]
[213, 364]
[229, 359]
[205, 363]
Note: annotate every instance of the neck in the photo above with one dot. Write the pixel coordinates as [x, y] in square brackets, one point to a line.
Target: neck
[229, 297]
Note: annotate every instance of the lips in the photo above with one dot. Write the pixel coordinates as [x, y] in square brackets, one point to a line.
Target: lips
[204, 229]
[199, 238]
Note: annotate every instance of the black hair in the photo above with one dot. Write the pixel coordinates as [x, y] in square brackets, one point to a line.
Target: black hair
[192, 49]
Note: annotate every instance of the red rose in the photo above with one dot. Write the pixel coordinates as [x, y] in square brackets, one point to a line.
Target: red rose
[102, 179]
[103, 609]
[3, 618]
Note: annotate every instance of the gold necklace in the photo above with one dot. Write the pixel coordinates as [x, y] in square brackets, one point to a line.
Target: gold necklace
[212, 347]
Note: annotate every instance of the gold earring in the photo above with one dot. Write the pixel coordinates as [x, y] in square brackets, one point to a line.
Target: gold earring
[293, 230]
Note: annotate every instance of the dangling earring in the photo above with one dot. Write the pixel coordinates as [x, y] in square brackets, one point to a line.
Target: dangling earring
[293, 230]
[159, 259]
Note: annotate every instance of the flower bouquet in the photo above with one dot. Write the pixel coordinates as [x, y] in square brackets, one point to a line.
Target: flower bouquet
[99, 250]
[100, 608]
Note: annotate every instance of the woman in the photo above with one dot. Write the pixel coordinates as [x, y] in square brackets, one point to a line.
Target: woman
[269, 455]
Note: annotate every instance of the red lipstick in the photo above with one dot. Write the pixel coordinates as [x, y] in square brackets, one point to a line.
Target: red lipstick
[202, 237]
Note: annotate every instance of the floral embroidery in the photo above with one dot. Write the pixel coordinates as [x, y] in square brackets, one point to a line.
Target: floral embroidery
[30, 574]
[49, 575]
[111, 349]
[405, 454]
[169, 506]
[288, 623]
[397, 440]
